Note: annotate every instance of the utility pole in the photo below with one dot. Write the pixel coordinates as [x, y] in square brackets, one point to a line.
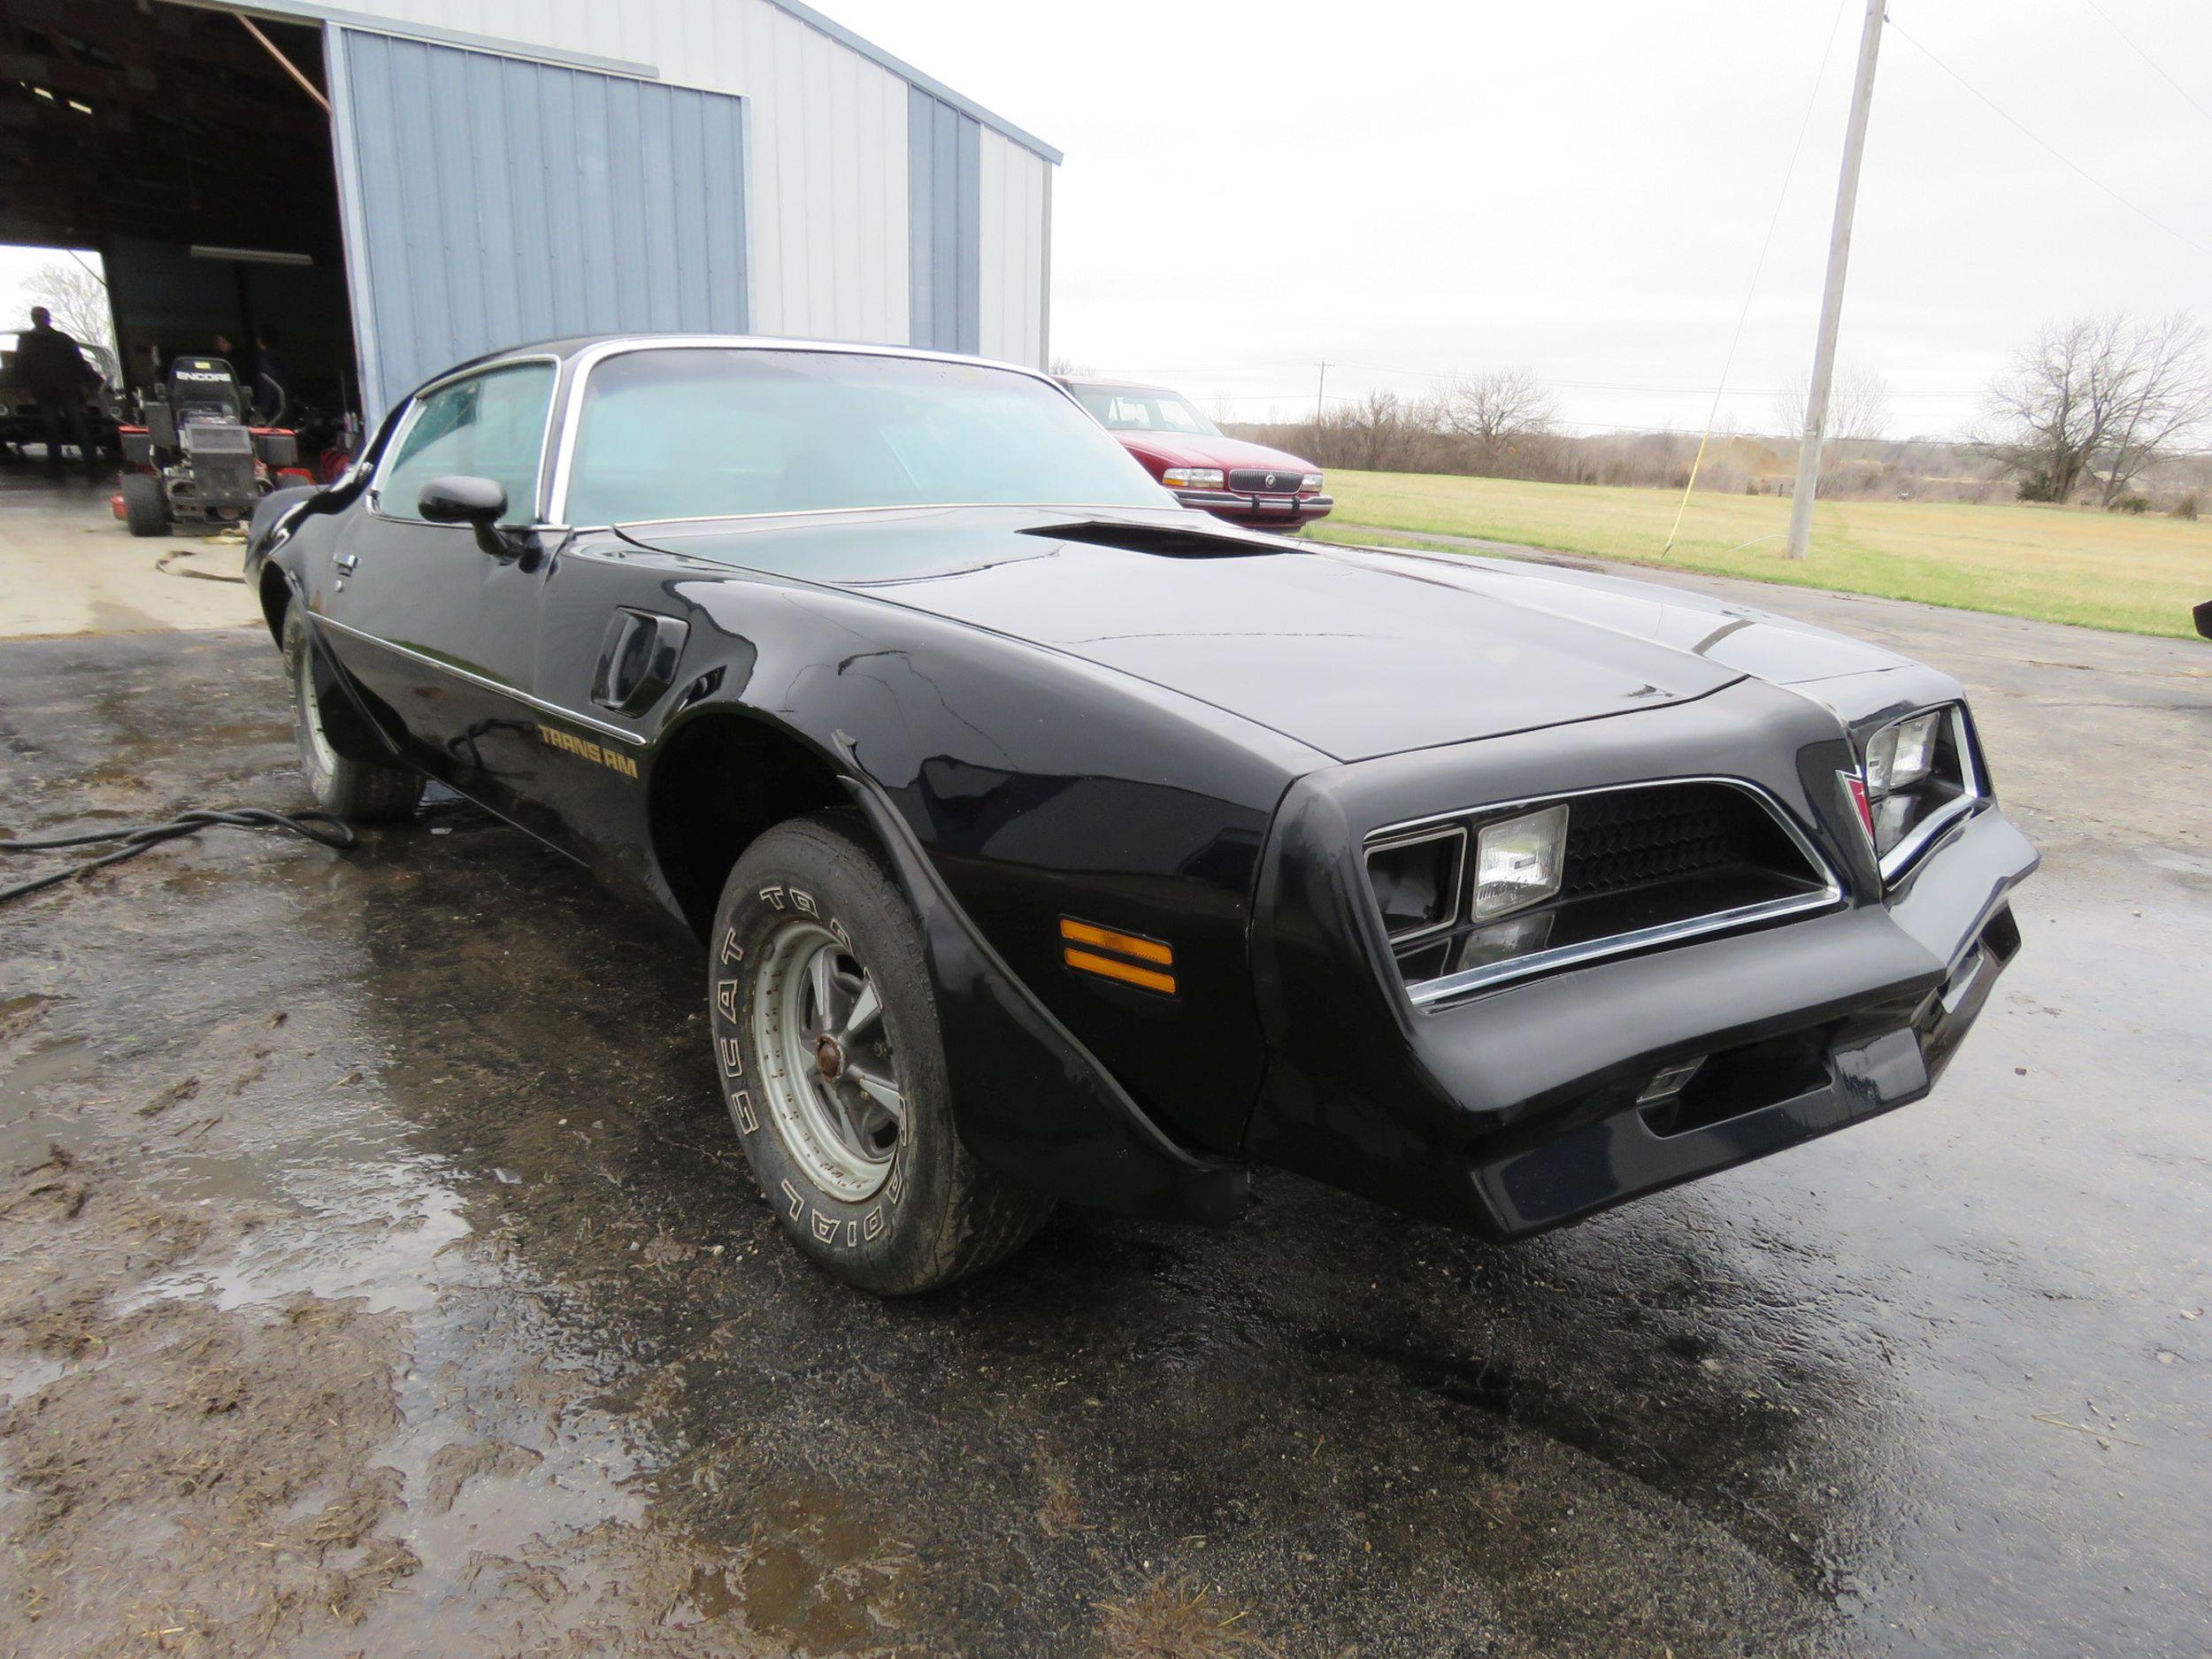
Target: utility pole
[1832, 298]
[1320, 387]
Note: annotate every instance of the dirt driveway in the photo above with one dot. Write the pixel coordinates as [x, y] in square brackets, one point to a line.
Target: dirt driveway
[377, 1276]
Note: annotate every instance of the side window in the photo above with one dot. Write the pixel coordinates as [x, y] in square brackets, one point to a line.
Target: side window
[490, 426]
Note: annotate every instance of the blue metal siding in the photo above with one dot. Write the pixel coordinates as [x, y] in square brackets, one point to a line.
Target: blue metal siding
[944, 224]
[490, 200]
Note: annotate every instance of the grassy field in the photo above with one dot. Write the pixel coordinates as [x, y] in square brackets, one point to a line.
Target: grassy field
[2141, 575]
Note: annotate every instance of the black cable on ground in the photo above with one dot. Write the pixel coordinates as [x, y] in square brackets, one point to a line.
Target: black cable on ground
[321, 827]
[167, 565]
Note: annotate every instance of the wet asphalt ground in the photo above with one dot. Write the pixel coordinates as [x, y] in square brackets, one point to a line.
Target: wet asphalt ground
[378, 1275]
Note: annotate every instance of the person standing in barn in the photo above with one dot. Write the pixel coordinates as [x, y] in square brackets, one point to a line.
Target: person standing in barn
[272, 380]
[56, 372]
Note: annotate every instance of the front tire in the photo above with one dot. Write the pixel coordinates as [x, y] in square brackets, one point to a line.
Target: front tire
[145, 506]
[356, 791]
[826, 1041]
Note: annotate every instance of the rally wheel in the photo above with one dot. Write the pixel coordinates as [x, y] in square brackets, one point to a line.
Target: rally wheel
[827, 1044]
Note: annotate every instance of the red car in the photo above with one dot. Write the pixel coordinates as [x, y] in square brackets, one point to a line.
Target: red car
[1246, 483]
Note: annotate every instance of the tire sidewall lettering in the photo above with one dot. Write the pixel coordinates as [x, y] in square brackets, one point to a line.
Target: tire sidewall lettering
[826, 1222]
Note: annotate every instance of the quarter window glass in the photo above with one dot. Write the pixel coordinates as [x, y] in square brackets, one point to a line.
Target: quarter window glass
[491, 426]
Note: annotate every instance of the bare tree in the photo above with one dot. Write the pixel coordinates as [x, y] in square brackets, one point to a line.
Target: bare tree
[1069, 369]
[2165, 396]
[78, 301]
[1858, 405]
[1496, 410]
[2095, 399]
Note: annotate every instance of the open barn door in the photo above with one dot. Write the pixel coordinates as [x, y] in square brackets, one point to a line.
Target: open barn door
[490, 200]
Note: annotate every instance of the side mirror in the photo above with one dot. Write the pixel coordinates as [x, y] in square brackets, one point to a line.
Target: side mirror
[477, 501]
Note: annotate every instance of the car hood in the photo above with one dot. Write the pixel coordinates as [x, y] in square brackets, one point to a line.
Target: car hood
[1178, 448]
[1355, 654]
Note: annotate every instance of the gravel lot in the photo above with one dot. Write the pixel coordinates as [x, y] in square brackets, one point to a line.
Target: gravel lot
[378, 1275]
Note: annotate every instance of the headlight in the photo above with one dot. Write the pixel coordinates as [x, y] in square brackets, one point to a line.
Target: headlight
[1919, 776]
[1416, 880]
[1192, 478]
[1901, 754]
[1312, 481]
[1518, 862]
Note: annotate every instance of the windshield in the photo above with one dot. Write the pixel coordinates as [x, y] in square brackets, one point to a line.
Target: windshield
[1144, 409]
[712, 432]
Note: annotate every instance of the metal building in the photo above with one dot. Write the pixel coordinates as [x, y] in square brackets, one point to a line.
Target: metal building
[492, 171]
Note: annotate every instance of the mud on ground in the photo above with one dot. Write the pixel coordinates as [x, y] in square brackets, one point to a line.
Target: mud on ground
[378, 1275]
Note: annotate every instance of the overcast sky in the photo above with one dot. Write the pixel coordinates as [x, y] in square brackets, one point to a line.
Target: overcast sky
[1581, 186]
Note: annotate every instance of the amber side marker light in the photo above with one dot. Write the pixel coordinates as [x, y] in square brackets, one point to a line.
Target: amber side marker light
[1118, 965]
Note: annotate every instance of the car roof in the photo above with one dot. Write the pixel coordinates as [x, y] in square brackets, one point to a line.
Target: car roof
[1071, 381]
[570, 348]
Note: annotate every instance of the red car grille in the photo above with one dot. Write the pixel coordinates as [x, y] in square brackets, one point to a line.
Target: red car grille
[1259, 480]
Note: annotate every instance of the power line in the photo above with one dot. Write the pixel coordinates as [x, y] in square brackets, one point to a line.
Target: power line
[1619, 385]
[1438, 376]
[2038, 138]
[1626, 385]
[2187, 96]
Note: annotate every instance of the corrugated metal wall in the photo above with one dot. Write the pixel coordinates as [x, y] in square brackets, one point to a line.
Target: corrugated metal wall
[944, 218]
[830, 182]
[490, 200]
[1012, 251]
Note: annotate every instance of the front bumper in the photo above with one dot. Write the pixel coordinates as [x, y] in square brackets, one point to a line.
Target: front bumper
[1519, 1110]
[1263, 512]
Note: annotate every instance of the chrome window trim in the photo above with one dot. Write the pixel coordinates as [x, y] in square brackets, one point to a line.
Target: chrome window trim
[474, 678]
[1426, 994]
[1449, 832]
[1973, 794]
[583, 363]
[372, 496]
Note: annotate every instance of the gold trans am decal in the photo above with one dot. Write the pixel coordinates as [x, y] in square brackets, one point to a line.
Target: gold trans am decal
[555, 738]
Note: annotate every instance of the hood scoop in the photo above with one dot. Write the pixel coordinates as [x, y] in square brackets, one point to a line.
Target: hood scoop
[1162, 540]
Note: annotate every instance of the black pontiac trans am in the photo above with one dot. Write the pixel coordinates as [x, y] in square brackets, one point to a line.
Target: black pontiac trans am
[1045, 839]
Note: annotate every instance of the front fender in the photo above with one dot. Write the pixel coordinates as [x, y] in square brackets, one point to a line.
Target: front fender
[1031, 1101]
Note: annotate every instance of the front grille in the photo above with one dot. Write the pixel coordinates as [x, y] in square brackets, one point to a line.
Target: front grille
[1644, 866]
[1616, 841]
[1260, 480]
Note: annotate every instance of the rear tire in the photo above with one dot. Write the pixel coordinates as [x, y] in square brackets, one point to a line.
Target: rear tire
[145, 505]
[356, 791]
[854, 1144]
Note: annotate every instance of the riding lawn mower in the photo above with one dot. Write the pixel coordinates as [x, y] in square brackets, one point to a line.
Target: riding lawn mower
[196, 459]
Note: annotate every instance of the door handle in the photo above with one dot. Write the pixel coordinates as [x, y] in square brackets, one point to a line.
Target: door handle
[637, 660]
[346, 564]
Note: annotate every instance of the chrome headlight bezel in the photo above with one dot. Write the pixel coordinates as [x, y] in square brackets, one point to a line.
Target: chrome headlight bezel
[1605, 910]
[1907, 811]
[1450, 837]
